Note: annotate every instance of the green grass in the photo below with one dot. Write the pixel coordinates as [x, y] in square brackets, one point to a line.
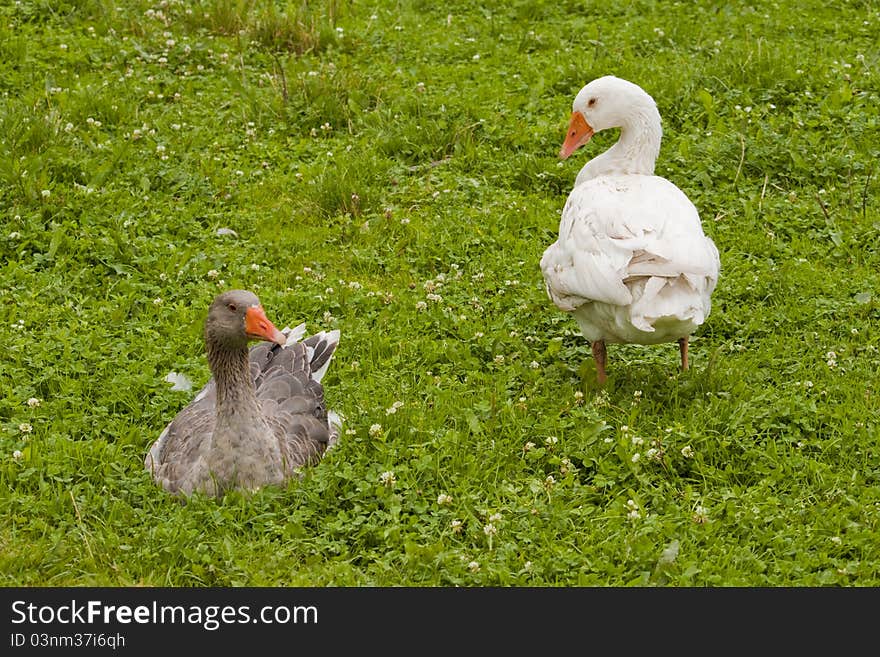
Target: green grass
[368, 155]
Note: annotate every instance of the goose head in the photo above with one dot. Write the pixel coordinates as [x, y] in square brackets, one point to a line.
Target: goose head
[609, 102]
[237, 316]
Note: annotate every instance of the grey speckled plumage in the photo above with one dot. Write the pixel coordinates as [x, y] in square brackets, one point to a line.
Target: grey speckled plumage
[260, 418]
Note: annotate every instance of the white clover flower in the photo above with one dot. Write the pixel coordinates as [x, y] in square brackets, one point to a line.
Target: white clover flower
[456, 526]
[45, 193]
[534, 365]
[33, 402]
[499, 358]
[421, 305]
[489, 529]
[393, 408]
[637, 440]
[25, 427]
[636, 457]
[354, 285]
[387, 478]
[474, 566]
[375, 430]
[834, 539]
[495, 517]
[157, 301]
[14, 235]
[350, 432]
[443, 499]
[687, 451]
[701, 514]
[16, 454]
[634, 513]
[436, 298]
[549, 481]
[551, 440]
[213, 273]
[624, 428]
[528, 446]
[637, 394]
[578, 396]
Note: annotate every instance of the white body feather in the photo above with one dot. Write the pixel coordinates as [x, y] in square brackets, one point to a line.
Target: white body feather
[632, 263]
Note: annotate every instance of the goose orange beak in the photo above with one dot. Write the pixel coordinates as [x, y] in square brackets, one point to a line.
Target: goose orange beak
[579, 133]
[258, 327]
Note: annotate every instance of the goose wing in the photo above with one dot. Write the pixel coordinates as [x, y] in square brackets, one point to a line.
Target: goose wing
[291, 396]
[617, 229]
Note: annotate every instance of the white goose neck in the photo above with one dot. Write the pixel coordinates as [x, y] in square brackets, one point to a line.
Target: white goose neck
[636, 149]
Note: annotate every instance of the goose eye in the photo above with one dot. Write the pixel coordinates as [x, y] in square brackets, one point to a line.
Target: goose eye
[232, 307]
[591, 102]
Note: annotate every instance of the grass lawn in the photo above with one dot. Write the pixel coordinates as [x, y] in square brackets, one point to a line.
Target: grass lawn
[390, 169]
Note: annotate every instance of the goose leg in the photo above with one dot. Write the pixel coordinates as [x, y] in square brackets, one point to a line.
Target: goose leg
[599, 356]
[683, 348]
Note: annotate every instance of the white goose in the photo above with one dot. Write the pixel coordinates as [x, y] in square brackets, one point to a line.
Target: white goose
[632, 264]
